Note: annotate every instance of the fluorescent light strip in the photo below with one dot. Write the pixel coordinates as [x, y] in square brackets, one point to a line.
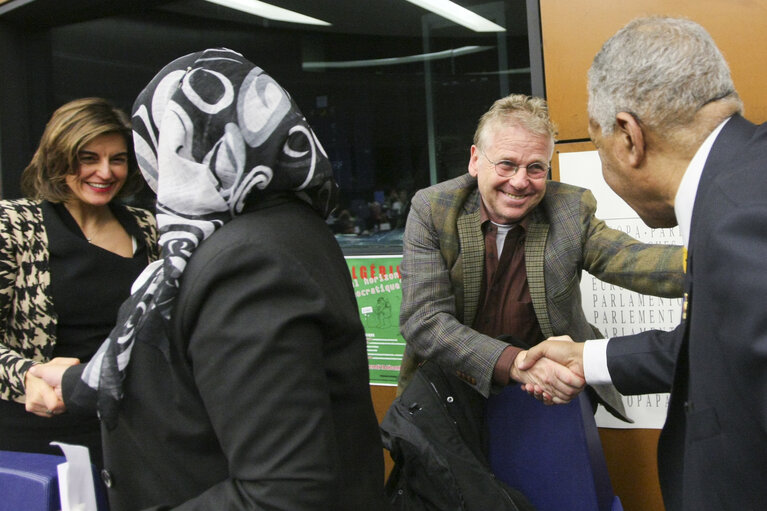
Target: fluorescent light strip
[269, 11]
[458, 14]
[390, 61]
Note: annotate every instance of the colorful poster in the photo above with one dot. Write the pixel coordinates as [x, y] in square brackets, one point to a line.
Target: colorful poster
[377, 286]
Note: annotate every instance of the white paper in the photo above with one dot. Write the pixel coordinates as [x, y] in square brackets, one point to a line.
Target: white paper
[614, 310]
[76, 489]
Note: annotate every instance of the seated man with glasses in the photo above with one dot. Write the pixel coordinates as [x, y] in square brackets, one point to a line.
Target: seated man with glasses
[499, 252]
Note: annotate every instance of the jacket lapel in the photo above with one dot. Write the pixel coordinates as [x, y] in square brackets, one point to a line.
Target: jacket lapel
[535, 244]
[473, 254]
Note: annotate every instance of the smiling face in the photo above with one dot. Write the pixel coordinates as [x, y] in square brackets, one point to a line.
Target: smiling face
[103, 169]
[509, 199]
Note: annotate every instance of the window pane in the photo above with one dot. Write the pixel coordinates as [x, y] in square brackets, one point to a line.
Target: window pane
[392, 91]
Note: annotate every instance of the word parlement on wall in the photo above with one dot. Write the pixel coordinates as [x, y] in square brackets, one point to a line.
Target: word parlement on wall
[613, 310]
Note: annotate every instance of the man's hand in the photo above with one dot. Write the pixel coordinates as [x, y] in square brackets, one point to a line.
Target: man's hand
[43, 387]
[560, 349]
[546, 379]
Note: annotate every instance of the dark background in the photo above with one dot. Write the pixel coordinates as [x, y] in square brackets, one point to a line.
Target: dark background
[373, 121]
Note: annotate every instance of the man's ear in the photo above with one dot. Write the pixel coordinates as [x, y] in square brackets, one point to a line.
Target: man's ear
[473, 161]
[630, 141]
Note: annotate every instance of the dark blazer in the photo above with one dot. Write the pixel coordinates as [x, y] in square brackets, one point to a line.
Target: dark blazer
[712, 453]
[263, 400]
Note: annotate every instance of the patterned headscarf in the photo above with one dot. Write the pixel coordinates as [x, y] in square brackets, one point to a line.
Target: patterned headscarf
[212, 132]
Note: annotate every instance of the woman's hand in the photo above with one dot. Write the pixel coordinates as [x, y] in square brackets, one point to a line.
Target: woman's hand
[43, 397]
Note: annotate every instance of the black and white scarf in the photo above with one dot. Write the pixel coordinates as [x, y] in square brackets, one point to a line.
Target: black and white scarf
[211, 130]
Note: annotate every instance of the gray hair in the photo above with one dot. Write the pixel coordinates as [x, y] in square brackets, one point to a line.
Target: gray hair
[661, 70]
[527, 112]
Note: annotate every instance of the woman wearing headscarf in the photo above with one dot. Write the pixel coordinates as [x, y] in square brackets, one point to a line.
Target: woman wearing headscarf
[236, 377]
[69, 253]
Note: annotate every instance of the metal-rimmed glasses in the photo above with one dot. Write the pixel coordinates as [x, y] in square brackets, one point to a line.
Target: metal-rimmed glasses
[506, 168]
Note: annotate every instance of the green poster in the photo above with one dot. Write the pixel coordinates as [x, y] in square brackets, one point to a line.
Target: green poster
[377, 286]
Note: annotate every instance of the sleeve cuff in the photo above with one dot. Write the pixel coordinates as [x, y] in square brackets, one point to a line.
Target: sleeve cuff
[79, 398]
[502, 369]
[595, 362]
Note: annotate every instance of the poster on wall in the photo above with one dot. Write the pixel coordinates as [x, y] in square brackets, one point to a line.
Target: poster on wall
[614, 310]
[377, 286]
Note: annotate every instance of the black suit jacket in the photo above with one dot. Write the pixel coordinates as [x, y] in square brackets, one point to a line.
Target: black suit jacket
[263, 401]
[712, 454]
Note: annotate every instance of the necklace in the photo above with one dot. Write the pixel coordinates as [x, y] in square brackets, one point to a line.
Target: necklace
[93, 233]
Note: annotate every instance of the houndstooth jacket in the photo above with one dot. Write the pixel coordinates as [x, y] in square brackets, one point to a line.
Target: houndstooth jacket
[27, 316]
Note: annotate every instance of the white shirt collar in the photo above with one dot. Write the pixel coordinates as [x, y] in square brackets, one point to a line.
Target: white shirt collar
[688, 187]
[500, 236]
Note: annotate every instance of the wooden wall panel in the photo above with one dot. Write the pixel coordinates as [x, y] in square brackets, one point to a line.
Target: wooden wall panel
[632, 464]
[574, 30]
[382, 398]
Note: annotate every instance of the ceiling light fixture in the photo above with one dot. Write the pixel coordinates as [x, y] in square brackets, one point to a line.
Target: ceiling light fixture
[269, 11]
[390, 61]
[458, 14]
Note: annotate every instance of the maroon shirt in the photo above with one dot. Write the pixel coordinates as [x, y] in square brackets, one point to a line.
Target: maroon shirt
[505, 306]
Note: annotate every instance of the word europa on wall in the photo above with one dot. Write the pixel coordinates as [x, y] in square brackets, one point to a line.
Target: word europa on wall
[640, 231]
[647, 401]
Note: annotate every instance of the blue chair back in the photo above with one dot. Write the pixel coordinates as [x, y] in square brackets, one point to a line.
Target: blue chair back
[553, 454]
[30, 482]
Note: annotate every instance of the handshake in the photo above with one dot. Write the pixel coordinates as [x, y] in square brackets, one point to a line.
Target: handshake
[552, 371]
[42, 385]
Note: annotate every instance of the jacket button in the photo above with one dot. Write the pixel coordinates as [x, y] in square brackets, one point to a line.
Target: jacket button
[688, 406]
[106, 478]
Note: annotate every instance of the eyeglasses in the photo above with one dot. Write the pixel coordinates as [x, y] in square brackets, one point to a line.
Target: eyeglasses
[506, 168]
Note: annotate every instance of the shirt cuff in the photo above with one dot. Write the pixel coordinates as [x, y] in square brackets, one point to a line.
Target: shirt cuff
[595, 362]
[502, 369]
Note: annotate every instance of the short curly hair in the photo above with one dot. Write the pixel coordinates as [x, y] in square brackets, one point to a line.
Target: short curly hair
[660, 69]
[71, 127]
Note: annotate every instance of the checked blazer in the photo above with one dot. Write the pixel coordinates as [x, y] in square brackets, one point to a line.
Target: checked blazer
[443, 265]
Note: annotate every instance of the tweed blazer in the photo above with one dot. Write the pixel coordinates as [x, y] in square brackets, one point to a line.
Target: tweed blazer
[27, 316]
[443, 265]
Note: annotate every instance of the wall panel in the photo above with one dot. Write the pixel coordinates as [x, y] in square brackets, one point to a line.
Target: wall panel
[573, 31]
